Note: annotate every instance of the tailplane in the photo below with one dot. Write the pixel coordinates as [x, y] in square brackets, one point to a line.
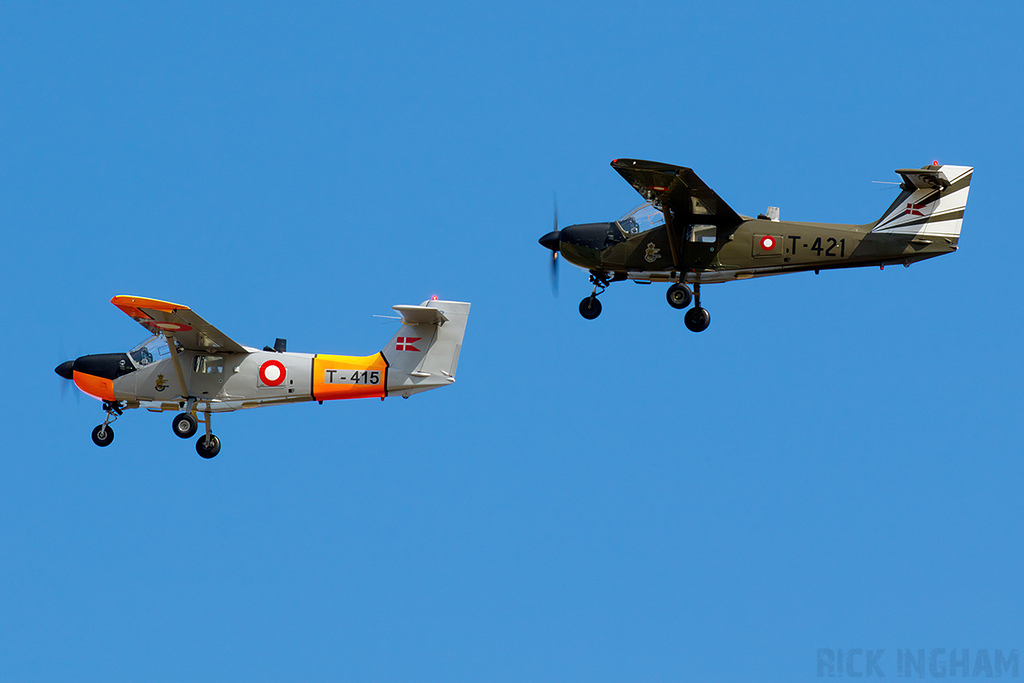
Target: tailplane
[932, 203]
[424, 354]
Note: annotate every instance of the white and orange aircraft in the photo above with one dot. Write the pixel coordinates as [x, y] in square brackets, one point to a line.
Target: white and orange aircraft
[190, 366]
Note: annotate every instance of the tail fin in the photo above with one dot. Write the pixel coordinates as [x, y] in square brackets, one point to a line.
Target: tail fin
[424, 354]
[932, 203]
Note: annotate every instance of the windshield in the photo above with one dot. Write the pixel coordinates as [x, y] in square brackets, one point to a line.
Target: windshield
[152, 349]
[641, 219]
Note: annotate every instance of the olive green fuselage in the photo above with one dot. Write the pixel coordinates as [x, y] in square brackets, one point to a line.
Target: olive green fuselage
[753, 248]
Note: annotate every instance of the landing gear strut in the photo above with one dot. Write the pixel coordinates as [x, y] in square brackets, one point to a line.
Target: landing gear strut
[207, 445]
[590, 307]
[697, 318]
[103, 435]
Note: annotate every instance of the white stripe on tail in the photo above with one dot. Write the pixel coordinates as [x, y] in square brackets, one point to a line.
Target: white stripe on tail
[932, 203]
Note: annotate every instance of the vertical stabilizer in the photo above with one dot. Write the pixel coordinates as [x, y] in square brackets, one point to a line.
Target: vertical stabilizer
[931, 205]
[424, 354]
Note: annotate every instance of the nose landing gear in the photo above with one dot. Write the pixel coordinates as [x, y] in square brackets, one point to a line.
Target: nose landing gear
[590, 307]
[103, 435]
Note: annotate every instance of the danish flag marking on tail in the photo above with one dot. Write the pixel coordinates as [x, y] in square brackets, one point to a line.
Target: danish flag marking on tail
[406, 344]
[914, 209]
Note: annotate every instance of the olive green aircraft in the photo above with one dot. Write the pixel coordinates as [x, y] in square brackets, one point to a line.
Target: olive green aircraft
[686, 234]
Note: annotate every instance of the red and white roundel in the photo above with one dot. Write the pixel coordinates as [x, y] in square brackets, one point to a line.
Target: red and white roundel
[272, 373]
[767, 242]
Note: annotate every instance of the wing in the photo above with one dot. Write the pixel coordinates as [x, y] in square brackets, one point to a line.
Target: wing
[677, 189]
[188, 329]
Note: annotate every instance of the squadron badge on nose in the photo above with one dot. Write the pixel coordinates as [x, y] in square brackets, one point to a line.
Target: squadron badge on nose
[653, 253]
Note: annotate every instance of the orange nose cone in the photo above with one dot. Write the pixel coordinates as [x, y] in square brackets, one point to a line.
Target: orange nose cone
[98, 387]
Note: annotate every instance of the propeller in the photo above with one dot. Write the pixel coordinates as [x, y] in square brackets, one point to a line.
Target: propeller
[66, 372]
[550, 241]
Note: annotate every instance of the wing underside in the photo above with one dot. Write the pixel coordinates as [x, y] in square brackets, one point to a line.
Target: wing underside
[188, 329]
[677, 189]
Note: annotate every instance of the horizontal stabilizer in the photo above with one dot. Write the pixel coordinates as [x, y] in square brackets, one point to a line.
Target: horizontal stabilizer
[924, 178]
[421, 315]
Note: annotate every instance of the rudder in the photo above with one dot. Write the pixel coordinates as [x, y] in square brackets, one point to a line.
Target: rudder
[424, 353]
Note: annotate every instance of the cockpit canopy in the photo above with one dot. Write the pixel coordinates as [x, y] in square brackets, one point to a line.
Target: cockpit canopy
[641, 219]
[149, 350]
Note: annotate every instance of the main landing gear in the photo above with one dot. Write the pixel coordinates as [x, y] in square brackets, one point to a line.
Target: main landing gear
[678, 295]
[697, 318]
[186, 425]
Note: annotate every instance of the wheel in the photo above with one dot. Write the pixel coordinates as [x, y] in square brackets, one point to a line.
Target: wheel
[697, 319]
[590, 308]
[208, 450]
[184, 425]
[679, 296]
[103, 435]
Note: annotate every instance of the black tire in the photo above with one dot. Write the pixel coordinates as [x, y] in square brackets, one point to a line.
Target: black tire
[103, 436]
[184, 425]
[590, 308]
[697, 319]
[679, 296]
[208, 451]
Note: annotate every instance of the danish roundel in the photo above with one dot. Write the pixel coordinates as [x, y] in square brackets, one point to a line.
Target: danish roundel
[167, 326]
[767, 242]
[272, 373]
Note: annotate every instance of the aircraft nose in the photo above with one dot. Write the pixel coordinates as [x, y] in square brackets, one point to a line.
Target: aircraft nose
[66, 369]
[589, 235]
[551, 240]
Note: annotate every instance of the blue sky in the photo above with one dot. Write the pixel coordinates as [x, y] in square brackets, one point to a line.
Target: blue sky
[835, 463]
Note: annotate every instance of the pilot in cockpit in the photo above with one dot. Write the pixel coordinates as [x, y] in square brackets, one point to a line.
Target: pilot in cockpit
[642, 218]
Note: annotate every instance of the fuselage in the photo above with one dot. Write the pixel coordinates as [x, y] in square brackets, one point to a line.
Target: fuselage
[754, 248]
[229, 381]
[189, 365]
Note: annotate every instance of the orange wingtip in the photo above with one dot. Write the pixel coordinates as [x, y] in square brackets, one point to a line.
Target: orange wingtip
[132, 305]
